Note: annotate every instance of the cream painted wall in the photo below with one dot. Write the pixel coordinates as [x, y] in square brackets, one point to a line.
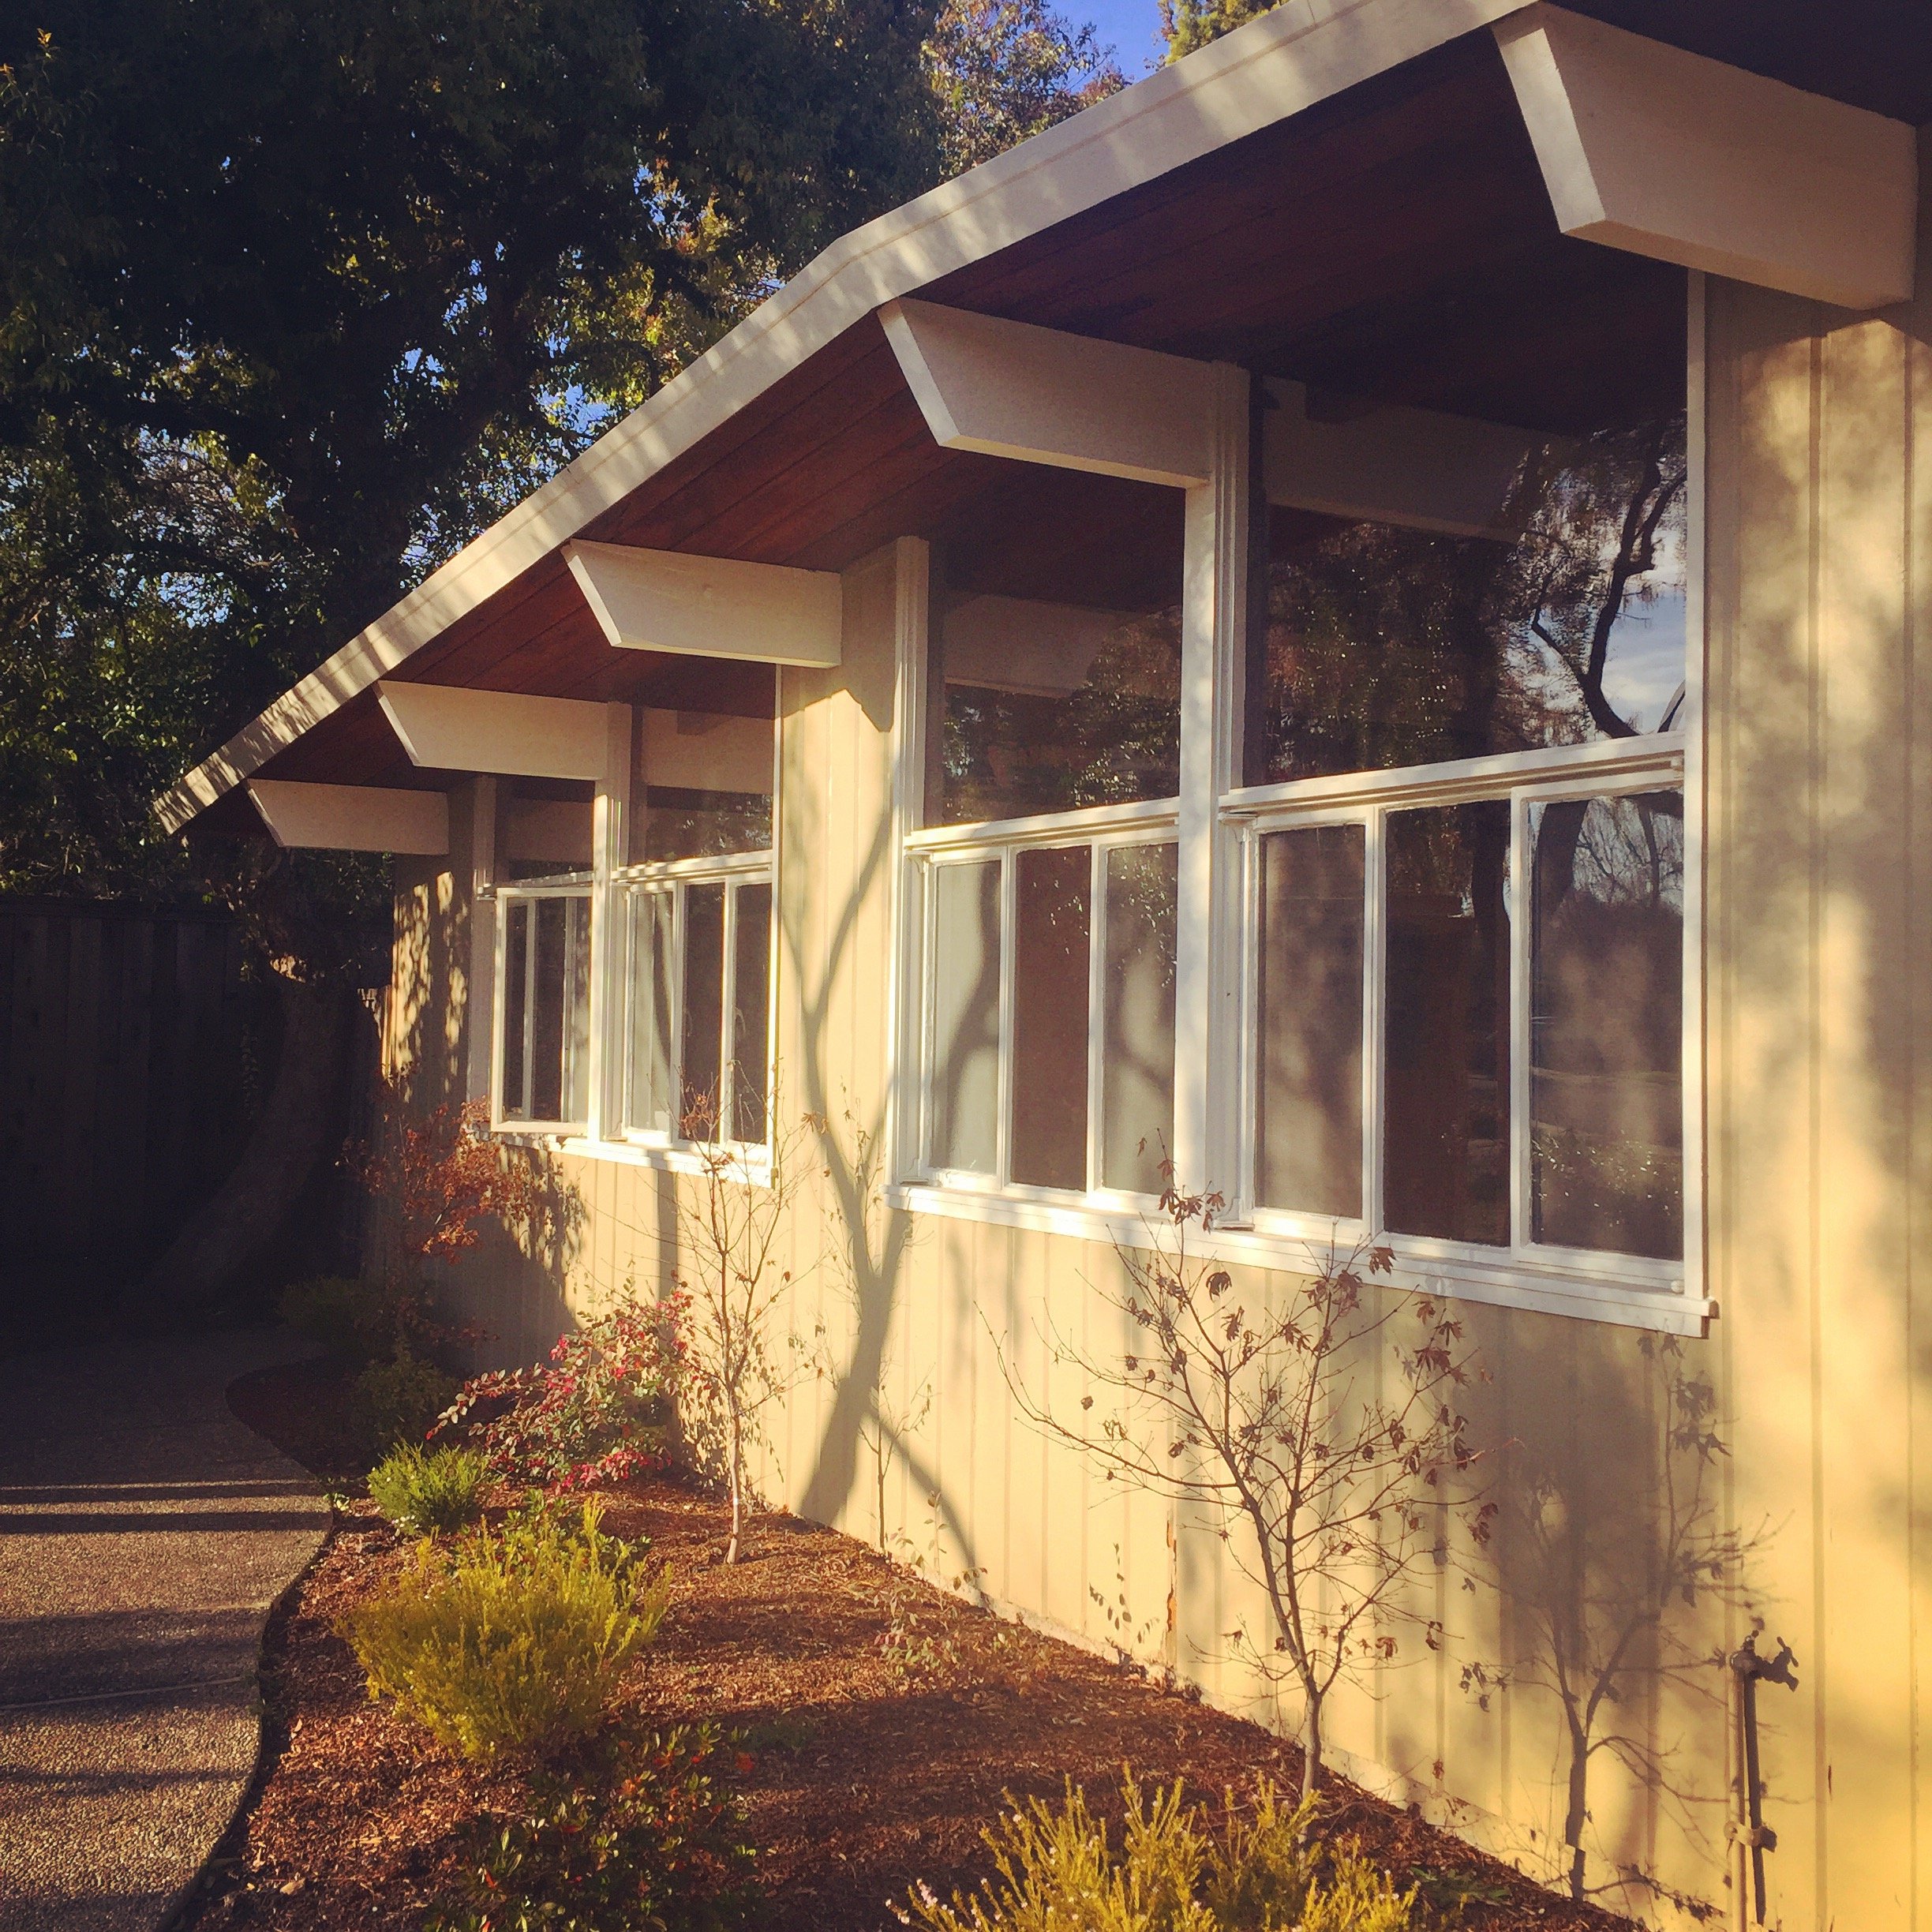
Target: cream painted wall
[1574, 1640]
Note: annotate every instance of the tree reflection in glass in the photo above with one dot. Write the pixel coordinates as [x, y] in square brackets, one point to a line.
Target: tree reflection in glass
[1445, 1080]
[1606, 1024]
[1388, 646]
[1051, 974]
[963, 1129]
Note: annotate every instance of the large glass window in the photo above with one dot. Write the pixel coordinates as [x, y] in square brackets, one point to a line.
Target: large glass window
[702, 784]
[543, 1006]
[697, 997]
[1051, 1015]
[1389, 645]
[1055, 614]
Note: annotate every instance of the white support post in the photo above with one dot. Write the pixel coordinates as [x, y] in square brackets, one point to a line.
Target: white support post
[911, 565]
[1213, 648]
[609, 812]
[481, 1012]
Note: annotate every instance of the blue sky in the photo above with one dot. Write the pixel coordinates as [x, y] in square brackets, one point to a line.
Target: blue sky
[1131, 26]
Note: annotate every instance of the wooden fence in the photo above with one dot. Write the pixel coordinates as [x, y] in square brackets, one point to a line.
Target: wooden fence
[135, 1051]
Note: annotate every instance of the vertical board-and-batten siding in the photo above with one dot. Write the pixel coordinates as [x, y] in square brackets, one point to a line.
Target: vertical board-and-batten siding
[1818, 747]
[1820, 741]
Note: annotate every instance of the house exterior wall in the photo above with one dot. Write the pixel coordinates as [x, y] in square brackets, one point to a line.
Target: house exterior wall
[1657, 1495]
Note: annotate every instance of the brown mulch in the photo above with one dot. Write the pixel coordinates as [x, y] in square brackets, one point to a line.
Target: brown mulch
[885, 1719]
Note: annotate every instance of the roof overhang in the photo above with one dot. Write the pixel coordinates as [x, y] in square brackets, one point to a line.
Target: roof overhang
[1332, 152]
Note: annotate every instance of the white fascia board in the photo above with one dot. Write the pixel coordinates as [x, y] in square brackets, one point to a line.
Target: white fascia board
[1303, 52]
[341, 817]
[709, 607]
[1645, 148]
[445, 727]
[1418, 468]
[1042, 395]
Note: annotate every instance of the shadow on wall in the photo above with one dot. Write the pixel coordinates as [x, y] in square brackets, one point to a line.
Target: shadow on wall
[512, 1288]
[1624, 1584]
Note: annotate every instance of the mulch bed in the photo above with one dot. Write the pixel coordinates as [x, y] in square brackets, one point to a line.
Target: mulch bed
[886, 1720]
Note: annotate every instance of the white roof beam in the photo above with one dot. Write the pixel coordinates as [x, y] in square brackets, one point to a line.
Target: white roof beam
[342, 818]
[1041, 395]
[1416, 467]
[1668, 154]
[704, 751]
[709, 607]
[447, 728]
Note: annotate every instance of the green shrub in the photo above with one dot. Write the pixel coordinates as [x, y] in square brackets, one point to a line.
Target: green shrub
[642, 1839]
[513, 1638]
[429, 1491]
[396, 1402]
[347, 1317]
[1260, 1873]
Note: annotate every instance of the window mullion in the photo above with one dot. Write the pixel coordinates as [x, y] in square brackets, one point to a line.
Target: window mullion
[528, 1044]
[1519, 939]
[674, 985]
[1009, 905]
[1374, 1007]
[727, 1120]
[1096, 1007]
[1213, 651]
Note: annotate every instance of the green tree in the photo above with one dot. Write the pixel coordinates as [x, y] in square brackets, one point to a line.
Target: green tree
[1187, 24]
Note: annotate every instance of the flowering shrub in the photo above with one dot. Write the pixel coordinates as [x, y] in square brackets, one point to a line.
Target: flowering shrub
[644, 1839]
[595, 1412]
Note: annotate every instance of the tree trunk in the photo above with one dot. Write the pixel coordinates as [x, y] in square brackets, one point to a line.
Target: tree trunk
[1579, 1810]
[1312, 1748]
[232, 1229]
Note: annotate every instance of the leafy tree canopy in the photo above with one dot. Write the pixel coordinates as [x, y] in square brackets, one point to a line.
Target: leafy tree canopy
[294, 300]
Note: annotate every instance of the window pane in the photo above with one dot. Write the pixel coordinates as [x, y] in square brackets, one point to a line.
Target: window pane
[704, 1009]
[1309, 1054]
[577, 1012]
[1136, 1064]
[1445, 1083]
[752, 1001]
[1058, 645]
[1052, 962]
[649, 1103]
[1606, 1022]
[1389, 645]
[516, 969]
[965, 980]
[543, 828]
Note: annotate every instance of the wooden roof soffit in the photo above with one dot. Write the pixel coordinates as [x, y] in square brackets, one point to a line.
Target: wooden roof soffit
[709, 607]
[1668, 154]
[347, 818]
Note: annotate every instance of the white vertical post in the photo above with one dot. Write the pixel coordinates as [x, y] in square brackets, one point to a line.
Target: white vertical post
[1213, 623]
[481, 1002]
[912, 563]
[609, 811]
[1691, 722]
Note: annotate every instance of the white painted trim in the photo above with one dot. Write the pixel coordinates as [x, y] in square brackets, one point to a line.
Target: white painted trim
[481, 1018]
[1042, 395]
[750, 1165]
[345, 817]
[1047, 828]
[906, 747]
[1302, 52]
[448, 727]
[610, 813]
[709, 607]
[1600, 1291]
[1696, 806]
[1646, 148]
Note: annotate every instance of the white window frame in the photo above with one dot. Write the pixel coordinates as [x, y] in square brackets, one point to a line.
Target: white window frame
[1214, 1123]
[1617, 768]
[676, 878]
[1100, 830]
[567, 886]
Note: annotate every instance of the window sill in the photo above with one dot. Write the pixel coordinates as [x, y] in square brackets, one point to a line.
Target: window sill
[752, 1165]
[1632, 1298]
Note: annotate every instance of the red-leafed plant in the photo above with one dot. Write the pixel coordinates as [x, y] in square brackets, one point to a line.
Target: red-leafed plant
[596, 1412]
[445, 1175]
